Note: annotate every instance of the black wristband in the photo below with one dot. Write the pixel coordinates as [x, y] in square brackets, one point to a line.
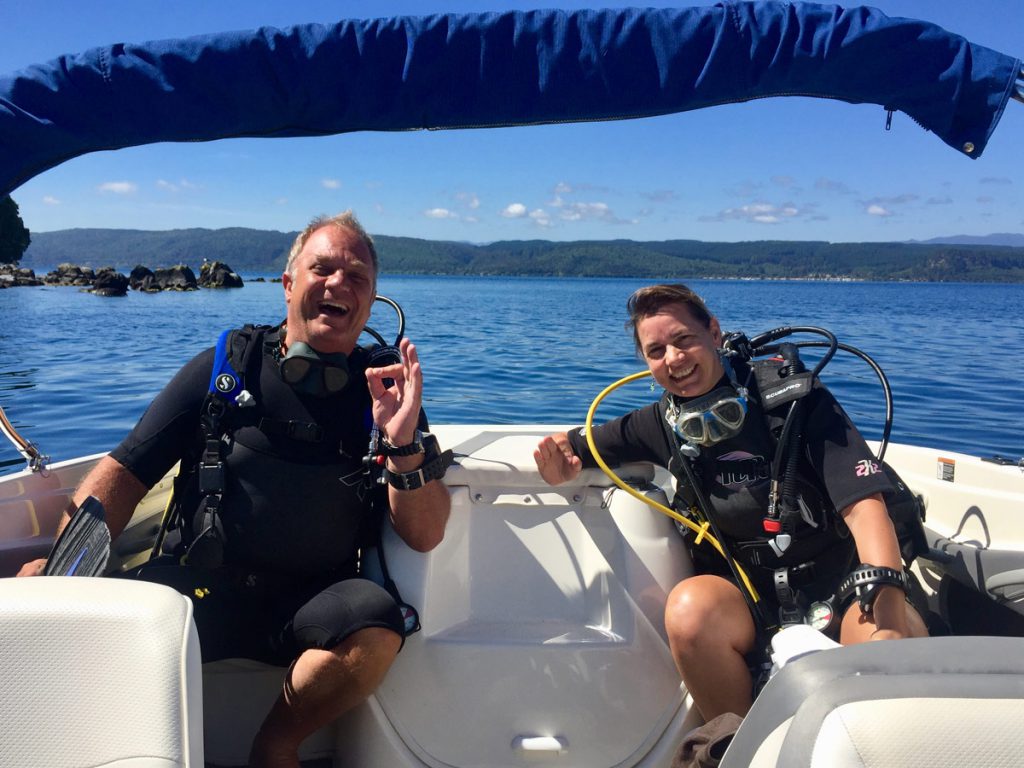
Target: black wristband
[866, 581]
[411, 449]
[434, 467]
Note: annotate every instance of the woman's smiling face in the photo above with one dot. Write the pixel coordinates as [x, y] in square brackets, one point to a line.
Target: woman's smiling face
[681, 353]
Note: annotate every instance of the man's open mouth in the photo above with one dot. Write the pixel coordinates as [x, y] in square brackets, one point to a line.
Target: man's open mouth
[332, 309]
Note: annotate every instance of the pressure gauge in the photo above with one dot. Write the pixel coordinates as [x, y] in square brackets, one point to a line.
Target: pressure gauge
[819, 616]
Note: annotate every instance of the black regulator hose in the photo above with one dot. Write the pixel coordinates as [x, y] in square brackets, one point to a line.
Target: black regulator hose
[883, 380]
[387, 354]
[759, 345]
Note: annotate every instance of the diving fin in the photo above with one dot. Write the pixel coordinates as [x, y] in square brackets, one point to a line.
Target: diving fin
[83, 547]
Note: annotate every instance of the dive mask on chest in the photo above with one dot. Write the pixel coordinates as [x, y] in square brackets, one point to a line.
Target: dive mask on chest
[710, 418]
[312, 372]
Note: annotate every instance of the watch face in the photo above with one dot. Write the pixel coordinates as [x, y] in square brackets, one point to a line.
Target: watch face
[819, 616]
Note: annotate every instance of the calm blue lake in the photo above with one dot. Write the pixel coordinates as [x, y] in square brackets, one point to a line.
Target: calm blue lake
[76, 370]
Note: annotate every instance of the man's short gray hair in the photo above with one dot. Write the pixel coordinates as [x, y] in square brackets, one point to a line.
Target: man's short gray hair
[345, 220]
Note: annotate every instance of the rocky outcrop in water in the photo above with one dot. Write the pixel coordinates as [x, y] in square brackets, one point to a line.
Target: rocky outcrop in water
[217, 274]
[11, 276]
[72, 274]
[109, 282]
[177, 278]
[105, 281]
[139, 277]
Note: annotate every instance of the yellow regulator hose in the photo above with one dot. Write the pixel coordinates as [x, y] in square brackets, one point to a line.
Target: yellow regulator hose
[700, 530]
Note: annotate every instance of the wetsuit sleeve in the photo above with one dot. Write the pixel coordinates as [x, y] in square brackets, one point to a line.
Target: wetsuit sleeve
[637, 436]
[169, 428]
[837, 452]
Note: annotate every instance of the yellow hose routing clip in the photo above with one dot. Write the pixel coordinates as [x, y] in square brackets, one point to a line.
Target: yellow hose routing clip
[700, 530]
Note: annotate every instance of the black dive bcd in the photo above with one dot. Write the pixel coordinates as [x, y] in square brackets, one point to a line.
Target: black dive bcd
[224, 408]
[783, 381]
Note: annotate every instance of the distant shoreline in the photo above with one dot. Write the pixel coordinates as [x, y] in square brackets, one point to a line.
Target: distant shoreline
[263, 253]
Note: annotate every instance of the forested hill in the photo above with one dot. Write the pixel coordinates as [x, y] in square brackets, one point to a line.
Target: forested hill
[252, 252]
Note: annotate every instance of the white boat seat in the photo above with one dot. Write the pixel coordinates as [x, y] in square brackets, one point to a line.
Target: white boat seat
[98, 672]
[941, 702]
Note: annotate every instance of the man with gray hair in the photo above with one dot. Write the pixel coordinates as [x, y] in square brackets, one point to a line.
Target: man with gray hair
[269, 551]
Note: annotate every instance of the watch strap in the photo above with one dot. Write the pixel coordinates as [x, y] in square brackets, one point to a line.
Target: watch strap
[410, 449]
[865, 582]
[433, 468]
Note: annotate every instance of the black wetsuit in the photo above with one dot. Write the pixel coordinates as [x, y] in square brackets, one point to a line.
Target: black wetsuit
[293, 511]
[836, 469]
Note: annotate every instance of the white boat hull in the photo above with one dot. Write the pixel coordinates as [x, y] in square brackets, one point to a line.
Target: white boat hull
[542, 639]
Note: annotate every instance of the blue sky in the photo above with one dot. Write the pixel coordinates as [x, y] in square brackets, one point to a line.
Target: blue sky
[793, 169]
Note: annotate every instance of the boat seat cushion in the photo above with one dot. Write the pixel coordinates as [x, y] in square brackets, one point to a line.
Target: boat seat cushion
[939, 702]
[98, 672]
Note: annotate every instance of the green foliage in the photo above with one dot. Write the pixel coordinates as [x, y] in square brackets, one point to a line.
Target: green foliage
[14, 236]
[250, 251]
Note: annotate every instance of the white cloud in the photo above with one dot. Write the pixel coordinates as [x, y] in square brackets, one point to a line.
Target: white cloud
[566, 211]
[580, 211]
[468, 199]
[903, 199]
[119, 187]
[540, 217]
[591, 212]
[50, 200]
[440, 213]
[172, 187]
[877, 210]
[330, 183]
[561, 188]
[760, 213]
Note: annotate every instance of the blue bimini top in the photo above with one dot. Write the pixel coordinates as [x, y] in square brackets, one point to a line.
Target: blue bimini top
[495, 69]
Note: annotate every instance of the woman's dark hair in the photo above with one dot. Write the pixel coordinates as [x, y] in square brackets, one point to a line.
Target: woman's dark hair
[650, 300]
